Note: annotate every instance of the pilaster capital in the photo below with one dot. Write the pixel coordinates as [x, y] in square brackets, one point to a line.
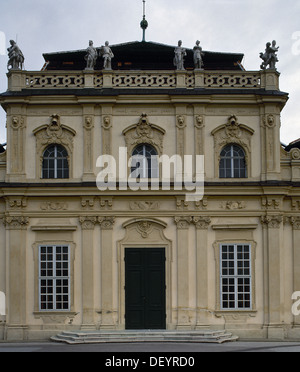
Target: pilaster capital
[87, 222]
[272, 221]
[295, 222]
[106, 223]
[16, 222]
[201, 222]
[183, 222]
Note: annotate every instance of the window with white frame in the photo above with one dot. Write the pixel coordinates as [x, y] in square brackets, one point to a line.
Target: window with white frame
[235, 280]
[54, 278]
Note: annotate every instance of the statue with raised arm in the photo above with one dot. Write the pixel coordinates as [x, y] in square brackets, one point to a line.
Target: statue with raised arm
[91, 56]
[15, 57]
[198, 54]
[180, 53]
[269, 57]
[107, 56]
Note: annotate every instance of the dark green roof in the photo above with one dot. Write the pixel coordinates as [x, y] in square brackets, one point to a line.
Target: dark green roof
[142, 56]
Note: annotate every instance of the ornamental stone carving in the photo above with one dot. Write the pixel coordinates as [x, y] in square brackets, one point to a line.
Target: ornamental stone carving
[295, 222]
[272, 222]
[106, 223]
[183, 222]
[87, 223]
[295, 154]
[54, 133]
[16, 222]
[144, 133]
[201, 222]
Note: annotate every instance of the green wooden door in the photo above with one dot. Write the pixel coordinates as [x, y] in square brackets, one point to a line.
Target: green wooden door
[145, 293]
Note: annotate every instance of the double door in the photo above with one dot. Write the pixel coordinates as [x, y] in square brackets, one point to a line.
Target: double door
[145, 288]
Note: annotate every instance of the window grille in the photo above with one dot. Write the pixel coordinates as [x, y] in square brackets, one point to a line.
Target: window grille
[54, 278]
[235, 269]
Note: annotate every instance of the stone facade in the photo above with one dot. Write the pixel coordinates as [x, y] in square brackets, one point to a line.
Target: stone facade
[95, 113]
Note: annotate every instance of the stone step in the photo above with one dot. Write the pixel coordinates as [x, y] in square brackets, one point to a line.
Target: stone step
[92, 337]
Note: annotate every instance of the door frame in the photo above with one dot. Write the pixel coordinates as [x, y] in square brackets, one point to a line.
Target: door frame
[134, 239]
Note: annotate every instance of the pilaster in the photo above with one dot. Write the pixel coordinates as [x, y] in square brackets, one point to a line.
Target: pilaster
[88, 144]
[271, 225]
[107, 273]
[295, 221]
[183, 277]
[202, 224]
[88, 311]
[16, 319]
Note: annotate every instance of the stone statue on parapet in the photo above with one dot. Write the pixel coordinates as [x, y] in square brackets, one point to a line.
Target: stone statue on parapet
[198, 54]
[107, 56]
[91, 56]
[180, 53]
[269, 57]
[15, 57]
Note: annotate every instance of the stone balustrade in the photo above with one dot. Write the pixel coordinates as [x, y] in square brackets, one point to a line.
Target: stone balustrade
[266, 79]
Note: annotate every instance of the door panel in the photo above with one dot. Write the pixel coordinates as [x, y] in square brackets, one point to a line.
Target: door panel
[145, 302]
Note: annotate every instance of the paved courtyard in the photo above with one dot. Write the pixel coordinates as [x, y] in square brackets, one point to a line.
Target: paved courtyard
[180, 348]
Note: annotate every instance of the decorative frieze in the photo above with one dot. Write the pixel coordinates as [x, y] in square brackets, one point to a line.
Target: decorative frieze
[270, 203]
[144, 205]
[54, 206]
[16, 202]
[233, 205]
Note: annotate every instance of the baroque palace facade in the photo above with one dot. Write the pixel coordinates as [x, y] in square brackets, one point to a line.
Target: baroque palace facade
[73, 257]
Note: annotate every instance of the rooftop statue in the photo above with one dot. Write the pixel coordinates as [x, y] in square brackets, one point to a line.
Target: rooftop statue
[16, 57]
[107, 55]
[180, 53]
[198, 54]
[91, 56]
[269, 57]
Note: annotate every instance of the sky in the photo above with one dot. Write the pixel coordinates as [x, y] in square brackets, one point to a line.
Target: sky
[239, 26]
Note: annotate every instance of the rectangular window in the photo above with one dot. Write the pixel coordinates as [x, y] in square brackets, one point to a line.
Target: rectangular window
[235, 281]
[54, 278]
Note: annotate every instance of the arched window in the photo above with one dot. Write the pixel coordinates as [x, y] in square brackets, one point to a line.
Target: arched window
[144, 162]
[55, 163]
[233, 162]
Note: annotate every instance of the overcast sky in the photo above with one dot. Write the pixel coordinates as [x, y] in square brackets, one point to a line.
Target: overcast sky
[243, 26]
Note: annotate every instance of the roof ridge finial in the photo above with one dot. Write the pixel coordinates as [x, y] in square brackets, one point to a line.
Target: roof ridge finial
[144, 23]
